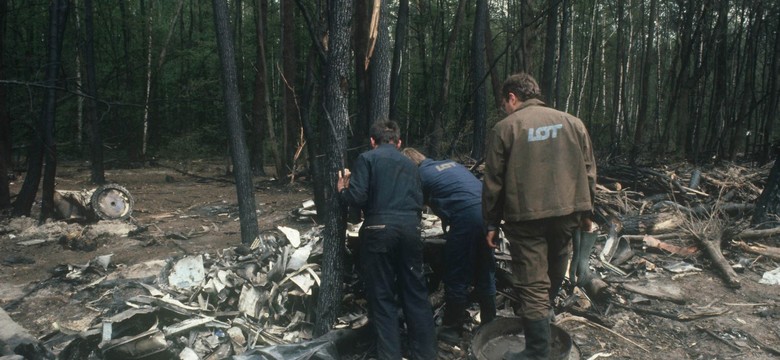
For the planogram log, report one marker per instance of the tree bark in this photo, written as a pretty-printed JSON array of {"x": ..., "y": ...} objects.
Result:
[
  {"x": 768, "y": 203},
  {"x": 398, "y": 52},
  {"x": 97, "y": 175},
  {"x": 478, "y": 80},
  {"x": 361, "y": 19},
  {"x": 292, "y": 121},
  {"x": 43, "y": 141},
  {"x": 238, "y": 150},
  {"x": 260, "y": 106},
  {"x": 547, "y": 79},
  {"x": 379, "y": 69},
  {"x": 335, "y": 97},
  {"x": 644, "y": 87},
  {"x": 5, "y": 117},
  {"x": 145, "y": 139},
  {"x": 437, "y": 126}
]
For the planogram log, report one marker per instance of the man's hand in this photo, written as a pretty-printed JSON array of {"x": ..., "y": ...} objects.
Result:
[
  {"x": 490, "y": 239},
  {"x": 343, "y": 181}
]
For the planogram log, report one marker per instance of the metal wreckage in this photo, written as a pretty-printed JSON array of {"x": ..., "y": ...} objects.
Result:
[{"x": 258, "y": 301}]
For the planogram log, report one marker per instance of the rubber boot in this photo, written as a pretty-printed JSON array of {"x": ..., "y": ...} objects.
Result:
[
  {"x": 537, "y": 341},
  {"x": 452, "y": 324},
  {"x": 487, "y": 308}
]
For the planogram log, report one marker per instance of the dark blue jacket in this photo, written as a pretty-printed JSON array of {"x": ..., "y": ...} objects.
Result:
[
  {"x": 449, "y": 187},
  {"x": 385, "y": 184}
]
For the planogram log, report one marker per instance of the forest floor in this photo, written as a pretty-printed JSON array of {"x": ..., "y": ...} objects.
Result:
[{"x": 714, "y": 322}]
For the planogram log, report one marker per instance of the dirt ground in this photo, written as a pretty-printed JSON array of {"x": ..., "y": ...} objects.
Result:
[{"x": 184, "y": 214}]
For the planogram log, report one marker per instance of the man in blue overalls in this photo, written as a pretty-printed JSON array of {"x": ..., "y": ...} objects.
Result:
[{"x": 455, "y": 195}]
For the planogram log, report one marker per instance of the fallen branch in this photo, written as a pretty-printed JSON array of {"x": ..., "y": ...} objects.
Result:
[
  {"x": 712, "y": 249},
  {"x": 714, "y": 335},
  {"x": 592, "y": 324},
  {"x": 758, "y": 234},
  {"x": 761, "y": 345},
  {"x": 678, "y": 317},
  {"x": 768, "y": 251}
]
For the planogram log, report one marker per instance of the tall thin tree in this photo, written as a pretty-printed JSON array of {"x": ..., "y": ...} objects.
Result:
[
  {"x": 5, "y": 117},
  {"x": 335, "y": 95},
  {"x": 43, "y": 138},
  {"x": 238, "y": 150},
  {"x": 478, "y": 78},
  {"x": 97, "y": 174},
  {"x": 292, "y": 118},
  {"x": 379, "y": 67}
]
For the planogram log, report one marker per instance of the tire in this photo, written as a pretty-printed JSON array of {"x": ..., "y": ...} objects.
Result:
[{"x": 112, "y": 202}]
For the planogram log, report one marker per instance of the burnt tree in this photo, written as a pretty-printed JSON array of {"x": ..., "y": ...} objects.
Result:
[
  {"x": 97, "y": 174},
  {"x": 335, "y": 96},
  {"x": 5, "y": 118},
  {"x": 238, "y": 150},
  {"x": 43, "y": 137},
  {"x": 768, "y": 203}
]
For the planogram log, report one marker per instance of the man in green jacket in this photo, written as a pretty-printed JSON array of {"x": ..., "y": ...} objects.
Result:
[{"x": 540, "y": 177}]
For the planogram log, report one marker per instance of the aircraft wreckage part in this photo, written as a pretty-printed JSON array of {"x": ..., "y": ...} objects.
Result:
[
  {"x": 497, "y": 337},
  {"x": 112, "y": 202}
]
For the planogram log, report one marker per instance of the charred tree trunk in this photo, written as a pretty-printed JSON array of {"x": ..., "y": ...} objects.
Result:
[
  {"x": 260, "y": 106},
  {"x": 548, "y": 80},
  {"x": 335, "y": 96},
  {"x": 379, "y": 69},
  {"x": 361, "y": 19},
  {"x": 5, "y": 118},
  {"x": 495, "y": 80},
  {"x": 768, "y": 203},
  {"x": 398, "y": 52},
  {"x": 437, "y": 126},
  {"x": 97, "y": 175},
  {"x": 478, "y": 80},
  {"x": 43, "y": 141},
  {"x": 644, "y": 86},
  {"x": 242, "y": 171},
  {"x": 292, "y": 123}
]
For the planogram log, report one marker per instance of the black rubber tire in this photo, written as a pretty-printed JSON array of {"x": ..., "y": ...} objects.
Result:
[{"x": 120, "y": 207}]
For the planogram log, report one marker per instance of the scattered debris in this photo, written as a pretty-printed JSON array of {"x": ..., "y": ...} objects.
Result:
[
  {"x": 771, "y": 277},
  {"x": 106, "y": 202}
]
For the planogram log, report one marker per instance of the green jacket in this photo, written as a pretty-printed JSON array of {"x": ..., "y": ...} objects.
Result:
[{"x": 539, "y": 163}]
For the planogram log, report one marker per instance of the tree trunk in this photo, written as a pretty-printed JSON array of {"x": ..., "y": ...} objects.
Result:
[
  {"x": 379, "y": 69},
  {"x": 241, "y": 169},
  {"x": 478, "y": 80},
  {"x": 145, "y": 139},
  {"x": 618, "y": 83},
  {"x": 644, "y": 87},
  {"x": 97, "y": 175},
  {"x": 128, "y": 70},
  {"x": 361, "y": 19},
  {"x": 260, "y": 106},
  {"x": 398, "y": 51},
  {"x": 335, "y": 96},
  {"x": 768, "y": 203},
  {"x": 44, "y": 137},
  {"x": 550, "y": 37},
  {"x": 495, "y": 80},
  {"x": 437, "y": 127},
  {"x": 562, "y": 55},
  {"x": 5, "y": 117},
  {"x": 292, "y": 121},
  {"x": 773, "y": 101}
]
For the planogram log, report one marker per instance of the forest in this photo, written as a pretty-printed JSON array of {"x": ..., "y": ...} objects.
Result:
[
  {"x": 122, "y": 83},
  {"x": 290, "y": 87}
]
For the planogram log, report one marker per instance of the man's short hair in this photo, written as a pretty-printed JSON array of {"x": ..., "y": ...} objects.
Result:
[
  {"x": 523, "y": 85},
  {"x": 385, "y": 132},
  {"x": 414, "y": 155}
]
